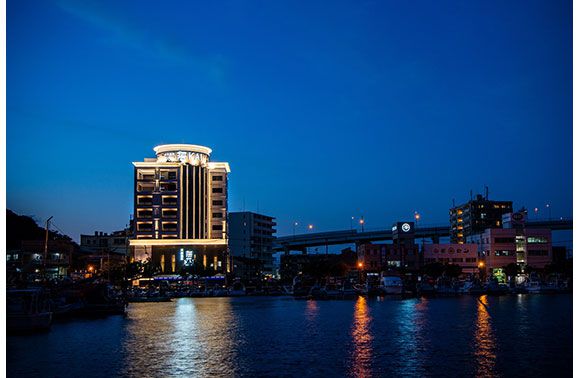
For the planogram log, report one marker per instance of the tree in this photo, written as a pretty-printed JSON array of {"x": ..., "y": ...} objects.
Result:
[
  {"x": 511, "y": 270},
  {"x": 452, "y": 270},
  {"x": 433, "y": 270},
  {"x": 150, "y": 269}
]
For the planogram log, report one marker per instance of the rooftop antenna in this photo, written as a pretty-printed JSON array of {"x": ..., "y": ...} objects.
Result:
[
  {"x": 471, "y": 195},
  {"x": 486, "y": 193}
]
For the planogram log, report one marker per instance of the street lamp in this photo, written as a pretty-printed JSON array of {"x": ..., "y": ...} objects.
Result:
[
  {"x": 295, "y": 224},
  {"x": 536, "y": 211},
  {"x": 351, "y": 219},
  {"x": 549, "y": 211},
  {"x": 310, "y": 227},
  {"x": 481, "y": 266},
  {"x": 362, "y": 223},
  {"x": 417, "y": 217}
]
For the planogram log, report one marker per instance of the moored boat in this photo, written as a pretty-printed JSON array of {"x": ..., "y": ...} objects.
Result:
[
  {"x": 27, "y": 311},
  {"x": 391, "y": 285}
]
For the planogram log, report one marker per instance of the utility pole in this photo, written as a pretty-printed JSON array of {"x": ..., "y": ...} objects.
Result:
[{"x": 45, "y": 247}]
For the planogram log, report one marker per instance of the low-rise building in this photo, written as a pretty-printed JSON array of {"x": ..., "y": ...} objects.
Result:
[
  {"x": 30, "y": 258},
  {"x": 464, "y": 255},
  {"x": 379, "y": 257},
  {"x": 102, "y": 250},
  {"x": 101, "y": 242},
  {"x": 500, "y": 247}
]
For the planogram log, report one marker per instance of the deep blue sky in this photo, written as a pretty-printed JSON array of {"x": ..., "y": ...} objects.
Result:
[{"x": 325, "y": 110}]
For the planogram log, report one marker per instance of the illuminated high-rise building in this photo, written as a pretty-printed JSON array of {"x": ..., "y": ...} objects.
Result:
[{"x": 180, "y": 203}]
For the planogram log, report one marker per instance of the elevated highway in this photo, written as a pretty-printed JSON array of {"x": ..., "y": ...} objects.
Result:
[{"x": 303, "y": 241}]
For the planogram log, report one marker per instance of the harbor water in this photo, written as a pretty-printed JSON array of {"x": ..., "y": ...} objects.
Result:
[{"x": 516, "y": 335}]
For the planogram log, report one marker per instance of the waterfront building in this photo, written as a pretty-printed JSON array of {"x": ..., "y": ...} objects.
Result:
[
  {"x": 404, "y": 245},
  {"x": 464, "y": 255},
  {"x": 379, "y": 257},
  {"x": 116, "y": 242},
  {"x": 247, "y": 268},
  {"x": 498, "y": 247},
  {"x": 36, "y": 256},
  {"x": 102, "y": 249},
  {"x": 403, "y": 252},
  {"x": 476, "y": 216},
  {"x": 180, "y": 202},
  {"x": 251, "y": 235},
  {"x": 373, "y": 257}
]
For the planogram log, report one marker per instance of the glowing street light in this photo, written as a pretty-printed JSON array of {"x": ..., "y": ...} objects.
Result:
[
  {"x": 549, "y": 211},
  {"x": 362, "y": 223},
  {"x": 310, "y": 227},
  {"x": 360, "y": 265},
  {"x": 295, "y": 224},
  {"x": 351, "y": 219}
]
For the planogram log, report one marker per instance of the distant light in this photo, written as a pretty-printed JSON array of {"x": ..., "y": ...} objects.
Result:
[
  {"x": 360, "y": 265},
  {"x": 362, "y": 221},
  {"x": 310, "y": 227},
  {"x": 481, "y": 264}
]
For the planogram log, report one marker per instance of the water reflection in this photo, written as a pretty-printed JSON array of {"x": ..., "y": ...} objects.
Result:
[
  {"x": 362, "y": 340},
  {"x": 311, "y": 310},
  {"x": 412, "y": 345},
  {"x": 189, "y": 337},
  {"x": 485, "y": 355}
]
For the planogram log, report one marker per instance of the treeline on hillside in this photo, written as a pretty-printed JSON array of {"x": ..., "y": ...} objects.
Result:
[{"x": 22, "y": 227}]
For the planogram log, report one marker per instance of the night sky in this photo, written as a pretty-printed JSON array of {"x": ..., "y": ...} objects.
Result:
[{"x": 324, "y": 110}]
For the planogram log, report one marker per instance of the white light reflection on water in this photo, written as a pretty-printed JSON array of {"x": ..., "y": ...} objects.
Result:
[
  {"x": 189, "y": 337},
  {"x": 412, "y": 343}
]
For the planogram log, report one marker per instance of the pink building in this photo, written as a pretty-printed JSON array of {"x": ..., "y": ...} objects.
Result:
[
  {"x": 502, "y": 246},
  {"x": 464, "y": 255}
]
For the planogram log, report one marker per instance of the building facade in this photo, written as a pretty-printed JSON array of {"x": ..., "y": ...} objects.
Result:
[
  {"x": 252, "y": 235},
  {"x": 500, "y": 247},
  {"x": 476, "y": 216},
  {"x": 403, "y": 252},
  {"x": 180, "y": 202},
  {"x": 35, "y": 256},
  {"x": 103, "y": 250},
  {"x": 116, "y": 242},
  {"x": 464, "y": 255}
]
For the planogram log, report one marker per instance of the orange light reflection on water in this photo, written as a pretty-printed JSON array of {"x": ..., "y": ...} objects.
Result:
[
  {"x": 362, "y": 339},
  {"x": 311, "y": 309},
  {"x": 485, "y": 355}
]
